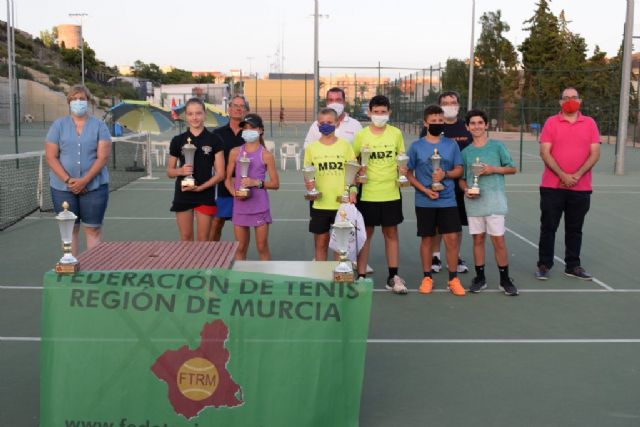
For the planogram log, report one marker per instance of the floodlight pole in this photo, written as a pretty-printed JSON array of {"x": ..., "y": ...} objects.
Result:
[
  {"x": 623, "y": 113},
  {"x": 81, "y": 15},
  {"x": 10, "y": 61},
  {"x": 316, "y": 68},
  {"x": 471, "y": 53}
]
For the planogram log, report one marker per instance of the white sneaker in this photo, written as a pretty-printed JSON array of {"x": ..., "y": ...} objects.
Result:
[
  {"x": 436, "y": 265},
  {"x": 396, "y": 285},
  {"x": 462, "y": 266}
]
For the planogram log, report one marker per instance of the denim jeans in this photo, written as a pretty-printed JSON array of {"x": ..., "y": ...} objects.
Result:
[{"x": 574, "y": 205}]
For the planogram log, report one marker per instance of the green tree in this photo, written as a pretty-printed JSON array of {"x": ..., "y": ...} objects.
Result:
[
  {"x": 49, "y": 38},
  {"x": 456, "y": 77},
  {"x": 496, "y": 76},
  {"x": 540, "y": 53},
  {"x": 573, "y": 58},
  {"x": 147, "y": 71}
]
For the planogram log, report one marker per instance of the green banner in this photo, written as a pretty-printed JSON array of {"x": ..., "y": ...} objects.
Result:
[{"x": 201, "y": 348}]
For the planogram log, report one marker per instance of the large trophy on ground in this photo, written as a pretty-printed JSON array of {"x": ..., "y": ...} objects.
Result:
[
  {"x": 68, "y": 264},
  {"x": 189, "y": 152},
  {"x": 402, "y": 160},
  {"x": 244, "y": 162},
  {"x": 365, "y": 153},
  {"x": 309, "y": 173},
  {"x": 343, "y": 229},
  {"x": 476, "y": 169},
  {"x": 435, "y": 164},
  {"x": 351, "y": 169}
]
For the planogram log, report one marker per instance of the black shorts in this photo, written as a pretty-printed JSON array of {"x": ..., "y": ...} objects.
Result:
[
  {"x": 385, "y": 214},
  {"x": 440, "y": 220},
  {"x": 462, "y": 211},
  {"x": 321, "y": 220}
]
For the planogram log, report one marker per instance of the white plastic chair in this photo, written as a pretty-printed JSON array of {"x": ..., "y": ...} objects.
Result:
[
  {"x": 270, "y": 146},
  {"x": 154, "y": 152},
  {"x": 289, "y": 150}
]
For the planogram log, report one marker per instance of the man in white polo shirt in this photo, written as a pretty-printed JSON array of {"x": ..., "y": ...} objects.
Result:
[{"x": 347, "y": 126}]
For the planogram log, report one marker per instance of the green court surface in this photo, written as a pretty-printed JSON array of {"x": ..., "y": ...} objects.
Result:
[{"x": 563, "y": 353}]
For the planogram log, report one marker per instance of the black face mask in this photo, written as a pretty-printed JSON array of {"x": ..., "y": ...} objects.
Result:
[{"x": 436, "y": 129}]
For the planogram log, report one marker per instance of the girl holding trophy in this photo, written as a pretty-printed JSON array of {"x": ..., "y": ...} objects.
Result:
[
  {"x": 329, "y": 156},
  {"x": 246, "y": 172},
  {"x": 201, "y": 160}
]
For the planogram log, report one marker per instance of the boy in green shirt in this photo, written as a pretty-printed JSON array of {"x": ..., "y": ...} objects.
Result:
[{"x": 486, "y": 211}]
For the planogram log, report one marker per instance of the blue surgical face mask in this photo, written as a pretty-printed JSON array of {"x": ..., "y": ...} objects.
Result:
[
  {"x": 79, "y": 107},
  {"x": 326, "y": 128},
  {"x": 250, "y": 135}
]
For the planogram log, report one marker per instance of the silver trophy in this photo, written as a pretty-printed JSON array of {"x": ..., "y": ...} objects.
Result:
[
  {"x": 435, "y": 165},
  {"x": 244, "y": 162},
  {"x": 402, "y": 160},
  {"x": 309, "y": 173},
  {"x": 68, "y": 264},
  {"x": 476, "y": 169},
  {"x": 351, "y": 169},
  {"x": 365, "y": 153},
  {"x": 189, "y": 152},
  {"x": 343, "y": 230}
]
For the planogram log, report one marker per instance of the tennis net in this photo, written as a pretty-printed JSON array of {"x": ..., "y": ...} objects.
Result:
[{"x": 24, "y": 177}]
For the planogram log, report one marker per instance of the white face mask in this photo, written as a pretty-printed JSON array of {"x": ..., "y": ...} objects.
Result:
[
  {"x": 380, "y": 120},
  {"x": 450, "y": 111},
  {"x": 336, "y": 106},
  {"x": 250, "y": 135}
]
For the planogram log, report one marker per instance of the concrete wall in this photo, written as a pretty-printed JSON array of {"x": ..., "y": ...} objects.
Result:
[{"x": 36, "y": 99}]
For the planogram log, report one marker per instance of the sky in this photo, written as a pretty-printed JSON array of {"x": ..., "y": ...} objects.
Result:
[{"x": 268, "y": 35}]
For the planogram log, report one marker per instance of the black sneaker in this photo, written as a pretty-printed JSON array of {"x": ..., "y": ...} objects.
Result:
[
  {"x": 542, "y": 273},
  {"x": 509, "y": 288},
  {"x": 477, "y": 284},
  {"x": 579, "y": 273},
  {"x": 436, "y": 265}
]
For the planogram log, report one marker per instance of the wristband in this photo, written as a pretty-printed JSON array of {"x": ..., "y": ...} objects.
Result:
[
  {"x": 353, "y": 189},
  {"x": 67, "y": 180},
  {"x": 260, "y": 184}
]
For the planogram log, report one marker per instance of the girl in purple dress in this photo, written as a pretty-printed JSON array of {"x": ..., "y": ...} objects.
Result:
[{"x": 252, "y": 209}]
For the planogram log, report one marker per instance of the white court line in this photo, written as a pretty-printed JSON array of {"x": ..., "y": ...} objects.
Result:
[
  {"x": 443, "y": 341},
  {"x": 560, "y": 260},
  {"x": 380, "y": 290}
]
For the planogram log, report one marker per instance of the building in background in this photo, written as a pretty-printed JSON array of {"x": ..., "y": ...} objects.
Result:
[{"x": 70, "y": 35}]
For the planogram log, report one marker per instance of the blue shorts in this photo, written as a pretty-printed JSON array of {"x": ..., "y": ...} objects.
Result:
[
  {"x": 89, "y": 207},
  {"x": 225, "y": 207}
]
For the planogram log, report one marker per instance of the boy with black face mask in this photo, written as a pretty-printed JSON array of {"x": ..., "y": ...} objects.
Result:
[{"x": 436, "y": 208}]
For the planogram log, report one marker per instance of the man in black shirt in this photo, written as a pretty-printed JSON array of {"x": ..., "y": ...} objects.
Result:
[
  {"x": 455, "y": 129},
  {"x": 230, "y": 135}
]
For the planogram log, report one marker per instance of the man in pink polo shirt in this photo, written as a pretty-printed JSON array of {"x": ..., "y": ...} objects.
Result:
[{"x": 569, "y": 147}]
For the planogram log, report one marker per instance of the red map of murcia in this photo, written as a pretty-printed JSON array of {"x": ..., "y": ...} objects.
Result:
[{"x": 199, "y": 378}]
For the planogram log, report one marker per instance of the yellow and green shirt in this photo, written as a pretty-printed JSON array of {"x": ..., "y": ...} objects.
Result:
[
  {"x": 382, "y": 169},
  {"x": 329, "y": 161}
]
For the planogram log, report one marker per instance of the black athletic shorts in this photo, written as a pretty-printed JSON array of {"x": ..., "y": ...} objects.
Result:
[
  {"x": 385, "y": 214},
  {"x": 321, "y": 220},
  {"x": 462, "y": 211},
  {"x": 440, "y": 220}
]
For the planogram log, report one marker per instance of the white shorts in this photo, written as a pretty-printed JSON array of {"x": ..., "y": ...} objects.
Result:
[{"x": 493, "y": 225}]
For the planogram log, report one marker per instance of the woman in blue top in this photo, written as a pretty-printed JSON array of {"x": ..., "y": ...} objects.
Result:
[{"x": 77, "y": 149}]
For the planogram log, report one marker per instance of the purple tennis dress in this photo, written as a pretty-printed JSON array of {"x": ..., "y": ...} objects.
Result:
[{"x": 253, "y": 211}]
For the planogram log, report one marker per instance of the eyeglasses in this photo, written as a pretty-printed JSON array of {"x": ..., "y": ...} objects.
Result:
[
  {"x": 242, "y": 106},
  {"x": 566, "y": 98}
]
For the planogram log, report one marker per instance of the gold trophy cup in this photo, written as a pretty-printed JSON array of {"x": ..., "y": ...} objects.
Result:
[
  {"x": 189, "y": 152},
  {"x": 351, "y": 169},
  {"x": 343, "y": 273},
  {"x": 68, "y": 264},
  {"x": 435, "y": 164},
  {"x": 244, "y": 162},
  {"x": 476, "y": 169},
  {"x": 365, "y": 153},
  {"x": 309, "y": 173},
  {"x": 402, "y": 160}
]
